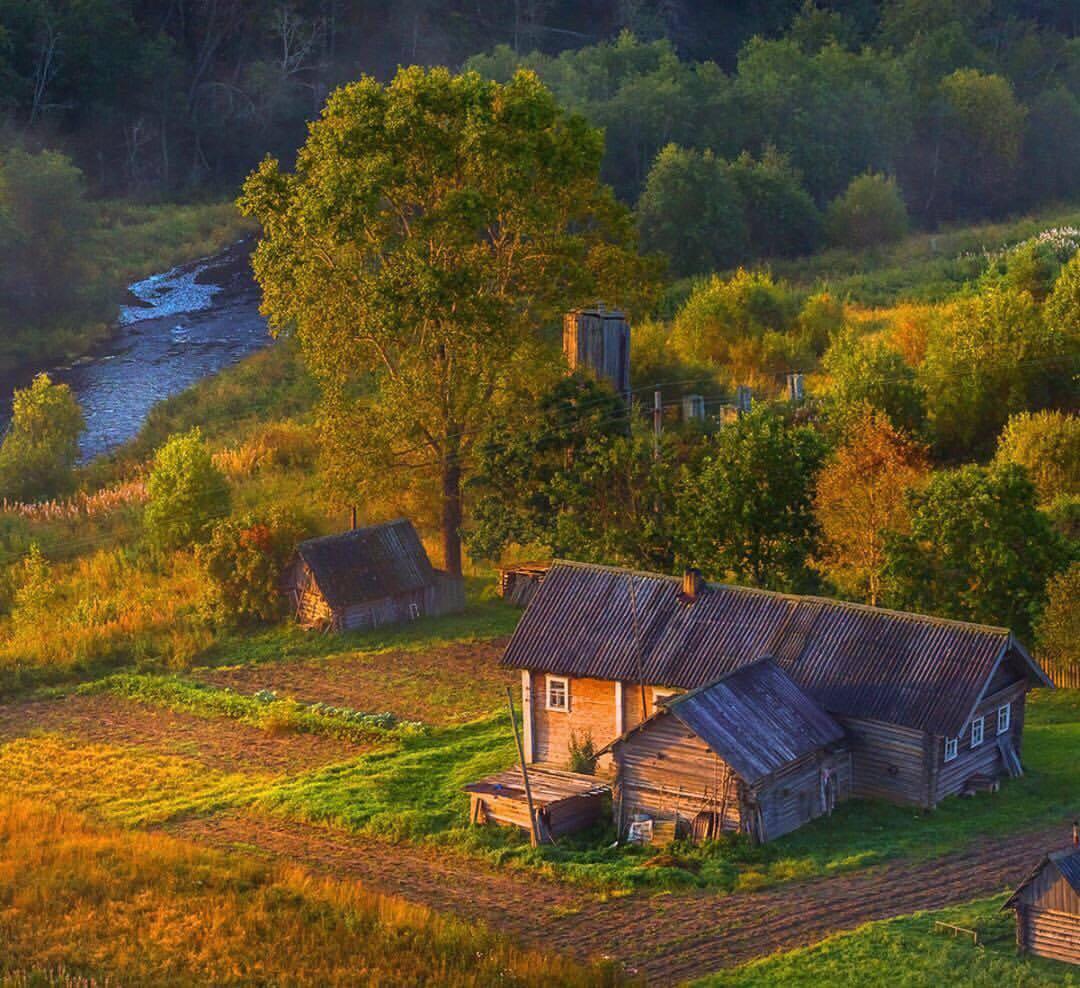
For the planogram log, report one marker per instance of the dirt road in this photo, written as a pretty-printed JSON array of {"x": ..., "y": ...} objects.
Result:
[{"x": 668, "y": 938}]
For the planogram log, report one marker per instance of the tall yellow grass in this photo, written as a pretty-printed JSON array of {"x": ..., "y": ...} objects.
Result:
[{"x": 149, "y": 909}]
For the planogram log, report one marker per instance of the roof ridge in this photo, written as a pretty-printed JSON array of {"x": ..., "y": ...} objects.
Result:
[
  {"x": 356, "y": 531},
  {"x": 797, "y": 598}
]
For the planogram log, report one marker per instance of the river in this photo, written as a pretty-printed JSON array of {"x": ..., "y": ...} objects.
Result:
[{"x": 176, "y": 328}]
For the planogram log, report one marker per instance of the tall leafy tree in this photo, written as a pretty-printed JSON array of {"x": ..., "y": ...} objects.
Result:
[
  {"x": 42, "y": 442},
  {"x": 978, "y": 550},
  {"x": 579, "y": 478},
  {"x": 430, "y": 227},
  {"x": 860, "y": 497},
  {"x": 745, "y": 508}
]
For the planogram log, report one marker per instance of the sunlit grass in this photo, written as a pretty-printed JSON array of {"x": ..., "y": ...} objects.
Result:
[
  {"x": 148, "y": 909},
  {"x": 907, "y": 952}
]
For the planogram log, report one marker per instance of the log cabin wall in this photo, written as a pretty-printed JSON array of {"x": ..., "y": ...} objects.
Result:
[
  {"x": 387, "y": 610},
  {"x": 1048, "y": 918},
  {"x": 667, "y": 772},
  {"x": 888, "y": 761},
  {"x": 949, "y": 778},
  {"x": 591, "y": 711},
  {"x": 793, "y": 796}
]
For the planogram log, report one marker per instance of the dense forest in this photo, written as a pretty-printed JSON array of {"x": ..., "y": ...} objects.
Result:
[{"x": 972, "y": 105}]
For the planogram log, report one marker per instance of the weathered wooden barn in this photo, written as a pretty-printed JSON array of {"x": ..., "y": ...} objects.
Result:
[
  {"x": 1047, "y": 907},
  {"x": 929, "y": 707},
  {"x": 368, "y": 577},
  {"x": 750, "y": 753}
]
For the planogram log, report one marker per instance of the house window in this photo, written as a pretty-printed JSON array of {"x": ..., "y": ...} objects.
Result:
[
  {"x": 658, "y": 698},
  {"x": 558, "y": 693},
  {"x": 952, "y": 747},
  {"x": 1004, "y": 717},
  {"x": 977, "y": 726}
]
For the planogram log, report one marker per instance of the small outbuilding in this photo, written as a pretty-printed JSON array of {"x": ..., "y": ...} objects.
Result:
[
  {"x": 368, "y": 577},
  {"x": 750, "y": 753},
  {"x": 1047, "y": 907},
  {"x": 518, "y": 583}
]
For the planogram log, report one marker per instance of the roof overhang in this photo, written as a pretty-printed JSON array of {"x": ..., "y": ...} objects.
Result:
[{"x": 1035, "y": 672}]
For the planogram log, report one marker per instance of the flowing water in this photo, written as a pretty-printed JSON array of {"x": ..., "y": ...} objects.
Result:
[{"x": 177, "y": 328}]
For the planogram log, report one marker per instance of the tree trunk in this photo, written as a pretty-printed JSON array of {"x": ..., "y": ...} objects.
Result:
[{"x": 451, "y": 514}]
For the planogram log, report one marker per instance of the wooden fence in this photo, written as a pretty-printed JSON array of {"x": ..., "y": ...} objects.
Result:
[{"x": 1068, "y": 679}]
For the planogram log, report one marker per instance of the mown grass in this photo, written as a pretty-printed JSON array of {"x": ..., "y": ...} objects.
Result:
[
  {"x": 149, "y": 909},
  {"x": 906, "y": 952}
]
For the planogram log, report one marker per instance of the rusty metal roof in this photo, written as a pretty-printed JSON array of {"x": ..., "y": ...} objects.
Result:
[
  {"x": 368, "y": 563},
  {"x": 921, "y": 672},
  {"x": 756, "y": 719}
]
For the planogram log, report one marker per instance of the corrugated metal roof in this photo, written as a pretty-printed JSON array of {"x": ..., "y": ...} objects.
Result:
[
  {"x": 368, "y": 563},
  {"x": 1068, "y": 863},
  {"x": 921, "y": 672},
  {"x": 756, "y": 719}
]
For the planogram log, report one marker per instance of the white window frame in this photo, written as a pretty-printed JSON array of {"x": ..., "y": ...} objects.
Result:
[
  {"x": 659, "y": 695},
  {"x": 952, "y": 749},
  {"x": 980, "y": 723},
  {"x": 1004, "y": 718},
  {"x": 565, "y": 708}
]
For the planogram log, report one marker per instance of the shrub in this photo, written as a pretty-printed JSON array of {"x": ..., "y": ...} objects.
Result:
[
  {"x": 38, "y": 454},
  {"x": 870, "y": 212},
  {"x": 243, "y": 561},
  {"x": 582, "y": 752},
  {"x": 187, "y": 493}
]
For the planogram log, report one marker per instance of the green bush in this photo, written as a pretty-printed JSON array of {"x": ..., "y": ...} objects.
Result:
[
  {"x": 243, "y": 561},
  {"x": 1047, "y": 445},
  {"x": 38, "y": 454},
  {"x": 187, "y": 493},
  {"x": 870, "y": 212}
]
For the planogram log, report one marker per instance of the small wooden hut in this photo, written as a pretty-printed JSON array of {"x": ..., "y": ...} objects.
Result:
[
  {"x": 368, "y": 577},
  {"x": 1047, "y": 907},
  {"x": 518, "y": 583},
  {"x": 750, "y": 752},
  {"x": 564, "y": 802}
]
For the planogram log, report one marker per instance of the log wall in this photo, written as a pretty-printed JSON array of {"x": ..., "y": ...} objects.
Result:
[
  {"x": 592, "y": 712},
  {"x": 1049, "y": 933},
  {"x": 888, "y": 761},
  {"x": 794, "y": 795}
]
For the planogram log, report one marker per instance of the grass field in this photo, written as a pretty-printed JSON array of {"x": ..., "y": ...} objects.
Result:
[
  {"x": 907, "y": 953},
  {"x": 83, "y": 901}
]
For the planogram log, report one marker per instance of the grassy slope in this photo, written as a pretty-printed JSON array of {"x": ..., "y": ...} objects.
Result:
[
  {"x": 148, "y": 909},
  {"x": 906, "y": 952}
]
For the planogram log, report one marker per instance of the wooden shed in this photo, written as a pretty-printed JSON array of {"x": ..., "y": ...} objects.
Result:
[
  {"x": 564, "y": 802},
  {"x": 598, "y": 339},
  {"x": 1047, "y": 907},
  {"x": 368, "y": 577},
  {"x": 750, "y": 752},
  {"x": 518, "y": 583}
]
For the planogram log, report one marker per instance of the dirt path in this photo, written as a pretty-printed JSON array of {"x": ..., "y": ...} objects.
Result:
[
  {"x": 217, "y": 743},
  {"x": 668, "y": 938}
]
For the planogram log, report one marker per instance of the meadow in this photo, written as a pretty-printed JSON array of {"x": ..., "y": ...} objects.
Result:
[
  {"x": 908, "y": 953},
  {"x": 81, "y": 900}
]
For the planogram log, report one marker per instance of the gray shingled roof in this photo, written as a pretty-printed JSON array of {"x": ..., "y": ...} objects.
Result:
[
  {"x": 368, "y": 563},
  {"x": 755, "y": 718},
  {"x": 1067, "y": 864},
  {"x": 920, "y": 672}
]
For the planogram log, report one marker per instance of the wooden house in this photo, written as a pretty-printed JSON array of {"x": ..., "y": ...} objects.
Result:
[
  {"x": 1047, "y": 907},
  {"x": 751, "y": 752},
  {"x": 929, "y": 707},
  {"x": 368, "y": 577}
]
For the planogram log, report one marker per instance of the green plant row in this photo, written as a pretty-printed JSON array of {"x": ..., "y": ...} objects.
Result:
[{"x": 264, "y": 710}]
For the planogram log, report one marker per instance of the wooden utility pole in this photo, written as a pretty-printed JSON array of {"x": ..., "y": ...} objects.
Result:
[
  {"x": 533, "y": 837},
  {"x": 657, "y": 422},
  {"x": 637, "y": 646}
]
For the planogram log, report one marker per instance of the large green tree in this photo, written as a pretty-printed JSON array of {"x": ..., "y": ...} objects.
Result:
[
  {"x": 579, "y": 478},
  {"x": 430, "y": 228},
  {"x": 745, "y": 508},
  {"x": 978, "y": 549}
]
